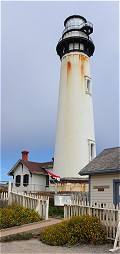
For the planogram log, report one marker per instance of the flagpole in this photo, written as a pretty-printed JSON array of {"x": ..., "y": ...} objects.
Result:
[
  {"x": 53, "y": 176},
  {"x": 55, "y": 188}
]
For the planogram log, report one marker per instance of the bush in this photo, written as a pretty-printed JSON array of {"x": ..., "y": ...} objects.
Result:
[
  {"x": 17, "y": 237},
  {"x": 55, "y": 211},
  {"x": 17, "y": 215},
  {"x": 3, "y": 203},
  {"x": 78, "y": 229}
]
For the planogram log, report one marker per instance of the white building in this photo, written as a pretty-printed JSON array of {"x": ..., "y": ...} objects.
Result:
[
  {"x": 104, "y": 177},
  {"x": 75, "y": 137},
  {"x": 30, "y": 176}
]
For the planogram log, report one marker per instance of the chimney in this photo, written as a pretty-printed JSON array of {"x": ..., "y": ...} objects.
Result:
[{"x": 25, "y": 155}]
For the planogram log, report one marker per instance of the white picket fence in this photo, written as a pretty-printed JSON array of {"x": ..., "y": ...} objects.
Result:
[
  {"x": 39, "y": 204},
  {"x": 4, "y": 195},
  {"x": 79, "y": 198},
  {"x": 108, "y": 214},
  {"x": 33, "y": 201}
]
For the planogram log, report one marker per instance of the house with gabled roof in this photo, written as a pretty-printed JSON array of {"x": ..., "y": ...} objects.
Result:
[
  {"x": 30, "y": 176},
  {"x": 104, "y": 177}
]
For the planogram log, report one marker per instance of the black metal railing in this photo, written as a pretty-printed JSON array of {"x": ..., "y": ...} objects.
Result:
[{"x": 79, "y": 27}]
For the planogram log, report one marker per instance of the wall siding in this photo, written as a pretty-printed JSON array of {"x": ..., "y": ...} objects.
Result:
[
  {"x": 38, "y": 182},
  {"x": 105, "y": 196}
]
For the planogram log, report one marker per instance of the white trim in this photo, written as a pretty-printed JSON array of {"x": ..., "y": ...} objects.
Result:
[
  {"x": 91, "y": 153},
  {"x": 88, "y": 87}
]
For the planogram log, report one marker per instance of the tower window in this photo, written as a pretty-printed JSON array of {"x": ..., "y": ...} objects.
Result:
[
  {"x": 18, "y": 180},
  {"x": 81, "y": 46},
  {"x": 76, "y": 45},
  {"x": 70, "y": 46},
  {"x": 92, "y": 152},
  {"x": 25, "y": 180},
  {"x": 88, "y": 86}
]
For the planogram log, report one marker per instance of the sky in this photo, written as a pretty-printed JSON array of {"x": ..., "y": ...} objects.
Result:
[{"x": 30, "y": 72}]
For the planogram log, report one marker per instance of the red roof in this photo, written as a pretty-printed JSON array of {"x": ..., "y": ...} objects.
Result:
[
  {"x": 36, "y": 166},
  {"x": 33, "y": 166}
]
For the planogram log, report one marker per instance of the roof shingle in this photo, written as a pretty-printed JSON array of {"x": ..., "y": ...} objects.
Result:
[
  {"x": 35, "y": 167},
  {"x": 107, "y": 161}
]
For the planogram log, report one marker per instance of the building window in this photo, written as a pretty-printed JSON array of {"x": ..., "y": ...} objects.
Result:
[
  {"x": 47, "y": 181},
  {"x": 25, "y": 180},
  {"x": 88, "y": 86},
  {"x": 92, "y": 152},
  {"x": 18, "y": 180}
]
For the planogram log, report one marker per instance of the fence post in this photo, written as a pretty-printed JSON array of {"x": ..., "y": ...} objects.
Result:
[
  {"x": 9, "y": 187},
  {"x": 9, "y": 193},
  {"x": 38, "y": 208},
  {"x": 23, "y": 201},
  {"x": 47, "y": 209},
  {"x": 65, "y": 211},
  {"x": 117, "y": 238}
]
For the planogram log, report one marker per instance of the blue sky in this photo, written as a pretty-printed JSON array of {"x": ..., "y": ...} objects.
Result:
[{"x": 30, "y": 71}]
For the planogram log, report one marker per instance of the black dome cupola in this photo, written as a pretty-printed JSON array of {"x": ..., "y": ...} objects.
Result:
[{"x": 75, "y": 37}]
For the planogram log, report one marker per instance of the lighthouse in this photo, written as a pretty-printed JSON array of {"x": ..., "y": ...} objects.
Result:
[{"x": 75, "y": 137}]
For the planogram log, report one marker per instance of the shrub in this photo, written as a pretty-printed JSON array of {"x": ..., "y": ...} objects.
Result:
[
  {"x": 55, "y": 235},
  {"x": 17, "y": 215},
  {"x": 55, "y": 211},
  {"x": 17, "y": 237},
  {"x": 3, "y": 203},
  {"x": 78, "y": 229}
]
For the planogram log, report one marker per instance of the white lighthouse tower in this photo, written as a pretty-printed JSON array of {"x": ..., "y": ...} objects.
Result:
[{"x": 75, "y": 137}]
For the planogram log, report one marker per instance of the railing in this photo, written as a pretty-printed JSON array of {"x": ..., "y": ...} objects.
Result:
[
  {"x": 89, "y": 38},
  {"x": 4, "y": 195},
  {"x": 84, "y": 24},
  {"x": 35, "y": 202},
  {"x": 80, "y": 198},
  {"x": 107, "y": 214}
]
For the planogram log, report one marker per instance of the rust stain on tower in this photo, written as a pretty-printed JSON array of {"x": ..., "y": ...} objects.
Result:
[
  {"x": 69, "y": 67},
  {"x": 83, "y": 59}
]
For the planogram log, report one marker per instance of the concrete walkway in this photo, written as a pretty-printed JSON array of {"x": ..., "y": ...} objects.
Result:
[
  {"x": 35, "y": 228},
  {"x": 34, "y": 246}
]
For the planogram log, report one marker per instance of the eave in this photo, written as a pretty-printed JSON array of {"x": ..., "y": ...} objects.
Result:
[
  {"x": 108, "y": 171},
  {"x": 13, "y": 168}
]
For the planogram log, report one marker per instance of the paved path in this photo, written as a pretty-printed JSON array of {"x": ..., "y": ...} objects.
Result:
[
  {"x": 35, "y": 246},
  {"x": 32, "y": 227}
]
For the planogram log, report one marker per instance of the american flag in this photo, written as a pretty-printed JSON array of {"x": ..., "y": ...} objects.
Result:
[{"x": 53, "y": 176}]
